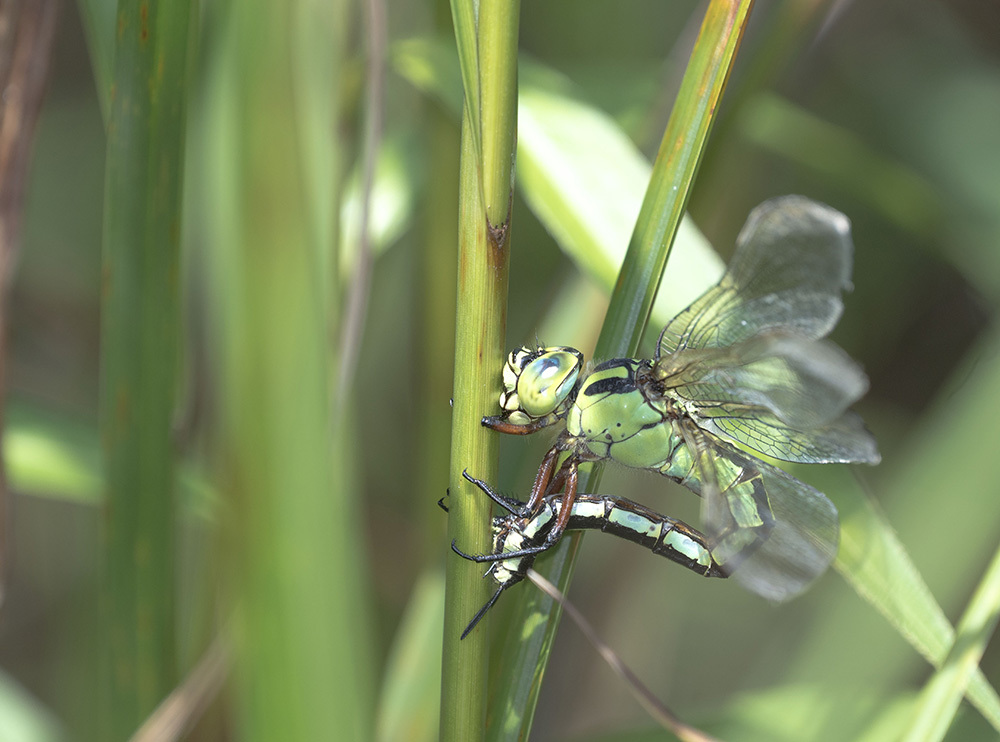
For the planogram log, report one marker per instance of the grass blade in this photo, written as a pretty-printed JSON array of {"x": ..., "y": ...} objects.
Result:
[
  {"x": 940, "y": 698},
  {"x": 535, "y": 619},
  {"x": 303, "y": 662},
  {"x": 139, "y": 352}
]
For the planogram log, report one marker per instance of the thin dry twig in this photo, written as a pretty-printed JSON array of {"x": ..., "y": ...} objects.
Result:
[
  {"x": 653, "y": 706},
  {"x": 360, "y": 285},
  {"x": 188, "y": 701}
]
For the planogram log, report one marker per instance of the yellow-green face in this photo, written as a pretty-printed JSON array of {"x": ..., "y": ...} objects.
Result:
[{"x": 539, "y": 382}]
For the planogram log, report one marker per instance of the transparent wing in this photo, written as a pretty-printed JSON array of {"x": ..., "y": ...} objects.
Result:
[
  {"x": 781, "y": 394},
  {"x": 792, "y": 261},
  {"x": 769, "y": 531}
]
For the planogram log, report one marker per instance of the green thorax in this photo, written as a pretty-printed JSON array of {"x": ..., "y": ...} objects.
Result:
[
  {"x": 622, "y": 413},
  {"x": 617, "y": 415}
]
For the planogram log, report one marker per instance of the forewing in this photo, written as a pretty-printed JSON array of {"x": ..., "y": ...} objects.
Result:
[
  {"x": 844, "y": 441},
  {"x": 793, "y": 258},
  {"x": 781, "y": 394},
  {"x": 774, "y": 542}
]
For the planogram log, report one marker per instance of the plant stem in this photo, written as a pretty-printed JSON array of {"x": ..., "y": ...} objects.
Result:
[
  {"x": 484, "y": 230},
  {"x": 140, "y": 322}
]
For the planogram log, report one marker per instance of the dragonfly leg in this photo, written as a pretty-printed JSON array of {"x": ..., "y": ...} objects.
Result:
[
  {"x": 509, "y": 504},
  {"x": 500, "y": 424},
  {"x": 543, "y": 480},
  {"x": 570, "y": 473},
  {"x": 501, "y": 556}
]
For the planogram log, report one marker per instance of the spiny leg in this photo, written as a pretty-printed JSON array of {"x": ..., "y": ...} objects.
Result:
[
  {"x": 515, "y": 507},
  {"x": 517, "y": 514},
  {"x": 545, "y": 486},
  {"x": 543, "y": 479}
]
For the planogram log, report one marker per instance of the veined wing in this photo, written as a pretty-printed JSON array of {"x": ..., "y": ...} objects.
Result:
[
  {"x": 793, "y": 258},
  {"x": 779, "y": 393},
  {"x": 769, "y": 531}
]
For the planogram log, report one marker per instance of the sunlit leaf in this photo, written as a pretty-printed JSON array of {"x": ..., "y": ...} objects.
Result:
[{"x": 411, "y": 688}]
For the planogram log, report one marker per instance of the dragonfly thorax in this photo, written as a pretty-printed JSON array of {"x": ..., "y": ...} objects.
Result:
[{"x": 539, "y": 382}]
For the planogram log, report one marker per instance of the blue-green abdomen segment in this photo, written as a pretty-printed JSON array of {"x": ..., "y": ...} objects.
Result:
[
  {"x": 626, "y": 519},
  {"x": 665, "y": 536}
]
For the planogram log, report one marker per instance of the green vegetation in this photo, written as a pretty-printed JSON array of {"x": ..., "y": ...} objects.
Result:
[{"x": 228, "y": 422}]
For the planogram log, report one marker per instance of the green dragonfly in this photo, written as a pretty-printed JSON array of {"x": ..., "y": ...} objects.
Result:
[{"x": 743, "y": 369}]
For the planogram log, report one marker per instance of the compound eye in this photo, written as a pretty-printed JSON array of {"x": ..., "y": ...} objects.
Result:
[{"x": 545, "y": 382}]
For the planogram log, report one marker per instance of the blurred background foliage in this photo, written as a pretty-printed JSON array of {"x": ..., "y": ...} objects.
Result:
[{"x": 887, "y": 111}]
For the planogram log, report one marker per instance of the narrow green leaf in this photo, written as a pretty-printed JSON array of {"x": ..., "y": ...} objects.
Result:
[
  {"x": 940, "y": 698},
  {"x": 526, "y": 650},
  {"x": 876, "y": 565},
  {"x": 411, "y": 690},
  {"x": 303, "y": 654},
  {"x": 872, "y": 558},
  {"x": 140, "y": 326},
  {"x": 99, "y": 26}
]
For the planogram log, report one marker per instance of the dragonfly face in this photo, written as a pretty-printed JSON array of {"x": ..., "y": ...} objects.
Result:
[
  {"x": 539, "y": 383},
  {"x": 744, "y": 367}
]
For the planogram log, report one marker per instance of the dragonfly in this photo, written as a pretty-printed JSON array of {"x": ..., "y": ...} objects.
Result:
[{"x": 745, "y": 370}]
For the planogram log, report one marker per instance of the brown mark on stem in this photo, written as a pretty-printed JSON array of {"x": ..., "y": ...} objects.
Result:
[{"x": 497, "y": 234}]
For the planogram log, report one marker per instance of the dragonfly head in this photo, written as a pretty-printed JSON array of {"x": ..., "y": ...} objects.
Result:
[{"x": 539, "y": 382}]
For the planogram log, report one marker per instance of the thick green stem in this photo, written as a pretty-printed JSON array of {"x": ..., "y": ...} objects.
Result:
[
  {"x": 139, "y": 354},
  {"x": 484, "y": 230}
]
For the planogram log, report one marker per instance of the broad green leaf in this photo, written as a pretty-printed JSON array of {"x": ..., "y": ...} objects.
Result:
[
  {"x": 584, "y": 179},
  {"x": 579, "y": 173}
]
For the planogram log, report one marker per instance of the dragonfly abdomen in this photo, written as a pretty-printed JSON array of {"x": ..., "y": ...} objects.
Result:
[{"x": 660, "y": 534}]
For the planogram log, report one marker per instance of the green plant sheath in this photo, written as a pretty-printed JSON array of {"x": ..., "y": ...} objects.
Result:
[{"x": 139, "y": 352}]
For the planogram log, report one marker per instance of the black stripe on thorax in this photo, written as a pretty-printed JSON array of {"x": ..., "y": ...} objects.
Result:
[{"x": 613, "y": 384}]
